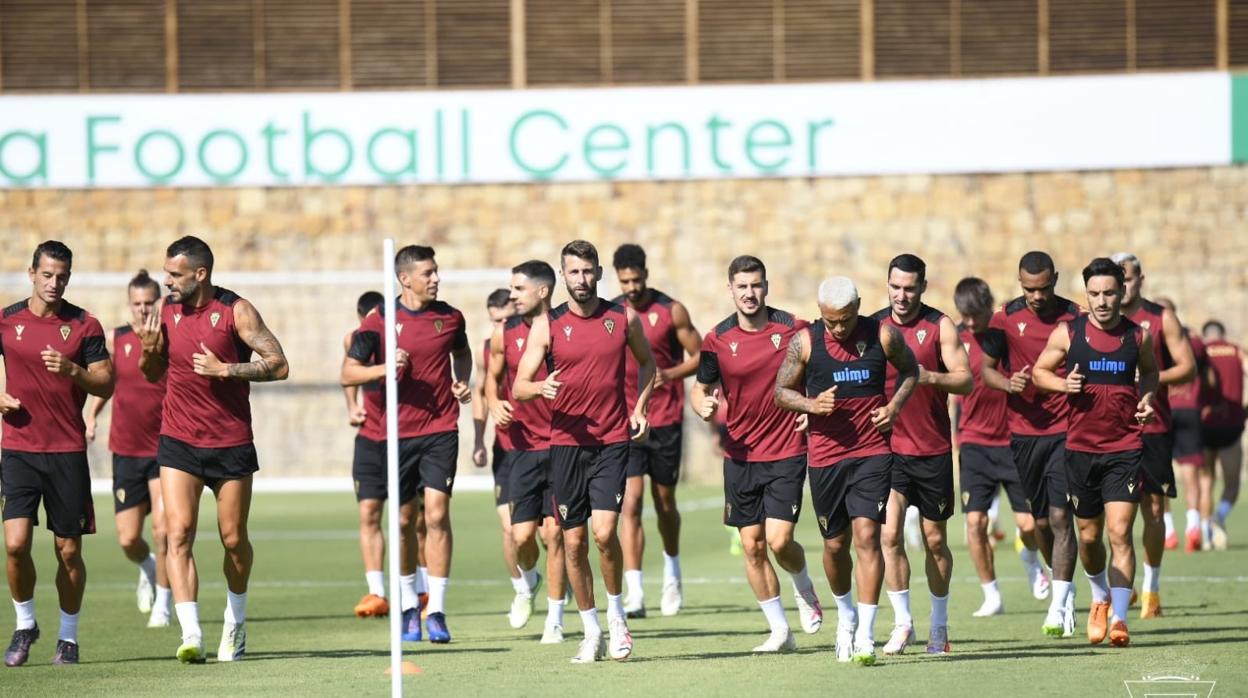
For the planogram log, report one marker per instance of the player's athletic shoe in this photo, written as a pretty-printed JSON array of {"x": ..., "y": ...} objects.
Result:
[
  {"x": 233, "y": 642},
  {"x": 1172, "y": 540},
  {"x": 864, "y": 654},
  {"x": 19, "y": 648},
  {"x": 777, "y": 642},
  {"x": 192, "y": 651},
  {"x": 990, "y": 608},
  {"x": 411, "y": 625},
  {"x": 1192, "y": 543},
  {"x": 1039, "y": 580},
  {"x": 158, "y": 619},
  {"x": 593, "y": 648},
  {"x": 938, "y": 640},
  {"x": 552, "y": 634},
  {"x": 901, "y": 636},
  {"x": 372, "y": 606},
  {"x": 844, "y": 644},
  {"x": 1070, "y": 622},
  {"x": 522, "y": 606},
  {"x": 1118, "y": 635},
  {"x": 673, "y": 597},
  {"x": 1098, "y": 622},
  {"x": 621, "y": 646},
  {"x": 1054, "y": 623},
  {"x": 145, "y": 593},
  {"x": 435, "y": 628},
  {"x": 809, "y": 610},
  {"x": 634, "y": 608},
  {"x": 1218, "y": 536},
  {"x": 1150, "y": 604},
  {"x": 66, "y": 652}
]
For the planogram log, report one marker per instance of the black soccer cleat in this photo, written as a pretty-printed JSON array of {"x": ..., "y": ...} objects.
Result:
[
  {"x": 19, "y": 648},
  {"x": 66, "y": 652}
]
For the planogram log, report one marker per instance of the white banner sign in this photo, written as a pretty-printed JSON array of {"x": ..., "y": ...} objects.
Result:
[{"x": 363, "y": 138}]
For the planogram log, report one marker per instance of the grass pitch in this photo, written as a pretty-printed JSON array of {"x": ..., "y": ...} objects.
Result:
[{"x": 304, "y": 640}]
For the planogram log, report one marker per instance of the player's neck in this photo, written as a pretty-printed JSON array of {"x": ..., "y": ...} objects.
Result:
[
  {"x": 755, "y": 322},
  {"x": 643, "y": 300},
  {"x": 543, "y": 309},
  {"x": 584, "y": 309},
  {"x": 1106, "y": 326},
  {"x": 411, "y": 301},
  {"x": 39, "y": 308},
  {"x": 1129, "y": 310},
  {"x": 909, "y": 318},
  {"x": 203, "y": 296}
]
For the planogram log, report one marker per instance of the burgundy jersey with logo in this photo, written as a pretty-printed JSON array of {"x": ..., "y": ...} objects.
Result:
[
  {"x": 199, "y": 411},
  {"x": 1033, "y": 412},
  {"x": 502, "y": 437},
  {"x": 50, "y": 418},
  {"x": 744, "y": 364},
  {"x": 1149, "y": 317},
  {"x": 857, "y": 367},
  {"x": 137, "y": 403},
  {"x": 589, "y": 353},
  {"x": 982, "y": 414},
  {"x": 922, "y": 428},
  {"x": 428, "y": 335},
  {"x": 1102, "y": 416},
  {"x": 666, "y": 405},
  {"x": 1226, "y": 403},
  {"x": 530, "y": 421},
  {"x": 1186, "y": 396}
]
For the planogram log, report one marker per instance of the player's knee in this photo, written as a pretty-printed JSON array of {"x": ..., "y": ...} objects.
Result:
[
  {"x": 891, "y": 539},
  {"x": 128, "y": 541},
  {"x": 17, "y": 548},
  {"x": 234, "y": 541},
  {"x": 604, "y": 536},
  {"x": 977, "y": 522},
  {"x": 754, "y": 550},
  {"x": 68, "y": 552},
  {"x": 837, "y": 546},
  {"x": 779, "y": 541}
]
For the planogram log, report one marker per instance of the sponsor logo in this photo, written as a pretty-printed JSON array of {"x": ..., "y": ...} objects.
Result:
[
  {"x": 775, "y": 340},
  {"x": 398, "y": 329},
  {"x": 357, "y": 487},
  {"x": 920, "y": 335},
  {"x": 851, "y": 375},
  {"x": 1, "y": 501},
  {"x": 727, "y": 510},
  {"x": 511, "y": 508},
  {"x": 733, "y": 346},
  {"x": 1103, "y": 365},
  {"x": 1028, "y": 501},
  {"x": 966, "y": 346},
  {"x": 128, "y": 349},
  {"x": 619, "y": 497},
  {"x": 520, "y": 342},
  {"x": 438, "y": 325},
  {"x": 20, "y": 329},
  {"x": 862, "y": 348},
  {"x": 1131, "y": 487},
  {"x": 653, "y": 317},
  {"x": 1022, "y": 327},
  {"x": 610, "y": 325},
  {"x": 214, "y": 319},
  {"x": 177, "y": 318},
  {"x": 498, "y": 491},
  {"x": 121, "y": 495},
  {"x": 567, "y": 332},
  {"x": 65, "y": 333}
]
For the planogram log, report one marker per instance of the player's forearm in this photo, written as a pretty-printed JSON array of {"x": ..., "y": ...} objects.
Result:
[
  {"x": 1177, "y": 375},
  {"x": 358, "y": 374},
  {"x": 994, "y": 379},
  {"x": 461, "y": 365},
  {"x": 262, "y": 370},
  {"x": 793, "y": 401},
  {"x": 645, "y": 377},
  {"x": 1047, "y": 380},
  {"x": 351, "y": 393},
  {"x": 906, "y": 383},
  {"x": 953, "y": 382},
  {"x": 98, "y": 383},
  {"x": 525, "y": 390},
  {"x": 683, "y": 370},
  {"x": 1150, "y": 381},
  {"x": 152, "y": 365}
]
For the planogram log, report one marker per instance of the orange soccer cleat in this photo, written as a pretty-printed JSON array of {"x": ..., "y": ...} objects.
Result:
[
  {"x": 1098, "y": 621},
  {"x": 1172, "y": 541},
  {"x": 372, "y": 606},
  {"x": 1193, "y": 541},
  {"x": 1118, "y": 635},
  {"x": 1150, "y": 604}
]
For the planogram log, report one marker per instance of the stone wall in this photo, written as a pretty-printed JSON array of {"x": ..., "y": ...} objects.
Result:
[{"x": 1186, "y": 225}]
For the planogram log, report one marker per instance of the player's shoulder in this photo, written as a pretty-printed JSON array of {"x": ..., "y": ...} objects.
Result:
[
  {"x": 882, "y": 314},
  {"x": 226, "y": 297},
  {"x": 559, "y": 310},
  {"x": 74, "y": 313},
  {"x": 1152, "y": 308},
  {"x": 513, "y": 322},
  {"x": 15, "y": 308},
  {"x": 780, "y": 317},
  {"x": 1068, "y": 307},
  {"x": 121, "y": 331},
  {"x": 662, "y": 298},
  {"x": 726, "y": 325},
  {"x": 609, "y": 307},
  {"x": 443, "y": 308},
  {"x": 932, "y": 315},
  {"x": 1015, "y": 305}
]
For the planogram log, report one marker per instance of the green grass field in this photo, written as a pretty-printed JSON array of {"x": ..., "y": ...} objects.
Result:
[{"x": 303, "y": 638}]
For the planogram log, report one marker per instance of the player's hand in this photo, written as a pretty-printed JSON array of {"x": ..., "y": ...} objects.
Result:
[
  {"x": 709, "y": 406},
  {"x": 90, "y": 432},
  {"x": 56, "y": 362},
  {"x": 1144, "y": 412},
  {"x": 501, "y": 411},
  {"x": 550, "y": 386},
  {"x": 882, "y": 419},
  {"x": 1020, "y": 379},
  {"x": 462, "y": 392},
  {"x": 925, "y": 376},
  {"x": 356, "y": 417},
  {"x": 638, "y": 427},
  {"x": 801, "y": 422},
  {"x": 401, "y": 361},
  {"x": 148, "y": 332},
  {"x": 825, "y": 402},
  {"x": 1074, "y": 380},
  {"x": 8, "y": 403},
  {"x": 207, "y": 364},
  {"x": 663, "y": 376},
  {"x": 479, "y": 454}
]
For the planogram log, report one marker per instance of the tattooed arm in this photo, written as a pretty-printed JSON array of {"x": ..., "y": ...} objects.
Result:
[
  {"x": 271, "y": 366},
  {"x": 790, "y": 392},
  {"x": 900, "y": 356}
]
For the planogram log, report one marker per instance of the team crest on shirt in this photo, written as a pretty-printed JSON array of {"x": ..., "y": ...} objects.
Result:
[
  {"x": 520, "y": 343},
  {"x": 398, "y": 329},
  {"x": 19, "y": 329},
  {"x": 966, "y": 498},
  {"x": 775, "y": 340},
  {"x": 920, "y": 335},
  {"x": 65, "y": 333},
  {"x": 567, "y": 332},
  {"x": 861, "y": 347},
  {"x": 733, "y": 346},
  {"x": 1022, "y": 327},
  {"x": 609, "y": 324},
  {"x": 214, "y": 318},
  {"x": 966, "y": 346},
  {"x": 563, "y": 511},
  {"x": 127, "y": 348},
  {"x": 653, "y": 317},
  {"x": 437, "y": 326},
  {"x": 1146, "y": 324},
  {"x": 121, "y": 495},
  {"x": 176, "y": 319}
]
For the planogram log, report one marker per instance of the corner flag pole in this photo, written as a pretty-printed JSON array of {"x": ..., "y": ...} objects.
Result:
[{"x": 392, "y": 470}]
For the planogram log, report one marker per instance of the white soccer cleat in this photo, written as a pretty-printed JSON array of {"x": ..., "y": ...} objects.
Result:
[
  {"x": 158, "y": 619},
  {"x": 1069, "y": 623},
  {"x": 145, "y": 593},
  {"x": 673, "y": 598},
  {"x": 635, "y": 607},
  {"x": 593, "y": 648},
  {"x": 521, "y": 610},
  {"x": 938, "y": 640},
  {"x": 553, "y": 634},
  {"x": 778, "y": 642},
  {"x": 809, "y": 610},
  {"x": 864, "y": 654},
  {"x": 1054, "y": 622},
  {"x": 845, "y": 644},
  {"x": 990, "y": 608},
  {"x": 233, "y": 642},
  {"x": 621, "y": 646},
  {"x": 901, "y": 637},
  {"x": 1217, "y": 535},
  {"x": 1039, "y": 580}
]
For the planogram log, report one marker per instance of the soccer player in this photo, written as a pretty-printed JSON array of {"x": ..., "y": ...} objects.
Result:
[
  {"x": 1222, "y": 426},
  {"x": 985, "y": 462},
  {"x": 922, "y": 449},
  {"x": 1187, "y": 452},
  {"x": 434, "y": 365},
  {"x": 203, "y": 340},
  {"x": 583, "y": 343},
  {"x": 1177, "y": 365},
  {"x": 498, "y": 306},
  {"x": 1102, "y": 352},
  {"x": 671, "y": 335},
  {"x": 133, "y": 437},
  {"x": 834, "y": 371},
  {"x": 764, "y": 447},
  {"x": 527, "y": 426},
  {"x": 54, "y": 355},
  {"x": 1038, "y": 425}
]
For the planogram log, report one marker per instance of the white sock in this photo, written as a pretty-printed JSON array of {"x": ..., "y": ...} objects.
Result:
[
  {"x": 589, "y": 621},
  {"x": 164, "y": 597},
  {"x": 1224, "y": 510},
  {"x": 188, "y": 618},
  {"x": 408, "y": 596},
  {"x": 866, "y": 624},
  {"x": 554, "y": 611},
  {"x": 1100, "y": 586},
  {"x": 1193, "y": 519},
  {"x": 376, "y": 580},
  {"x": 1070, "y": 598},
  {"x": 845, "y": 616},
  {"x": 992, "y": 593},
  {"x": 774, "y": 611},
  {"x": 994, "y": 509},
  {"x": 530, "y": 578},
  {"x": 518, "y": 585},
  {"x": 671, "y": 567},
  {"x": 69, "y": 627},
  {"x": 1168, "y": 518},
  {"x": 437, "y": 594},
  {"x": 1060, "y": 589},
  {"x": 801, "y": 581},
  {"x": 149, "y": 568},
  {"x": 940, "y": 610},
  {"x": 1152, "y": 578},
  {"x": 900, "y": 601},
  {"x": 615, "y": 607},
  {"x": 422, "y": 579},
  {"x": 1120, "y": 601},
  {"x": 632, "y": 579},
  {"x": 25, "y": 611},
  {"x": 235, "y": 607}
]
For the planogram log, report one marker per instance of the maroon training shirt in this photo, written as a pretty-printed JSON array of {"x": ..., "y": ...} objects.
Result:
[
  {"x": 530, "y": 420},
  {"x": 1149, "y": 317},
  {"x": 857, "y": 367},
  {"x": 1186, "y": 396},
  {"x": 137, "y": 403},
  {"x": 922, "y": 428},
  {"x": 667, "y": 401},
  {"x": 983, "y": 419},
  {"x": 1226, "y": 404},
  {"x": 1102, "y": 416},
  {"x": 589, "y": 353},
  {"x": 1032, "y": 412}
]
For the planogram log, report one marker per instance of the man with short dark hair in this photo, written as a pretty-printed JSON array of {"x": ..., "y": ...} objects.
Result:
[
  {"x": 54, "y": 355},
  {"x": 203, "y": 340},
  {"x": 1102, "y": 352},
  {"x": 671, "y": 335}
]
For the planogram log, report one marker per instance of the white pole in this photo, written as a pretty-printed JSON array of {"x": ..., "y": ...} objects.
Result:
[{"x": 392, "y": 472}]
